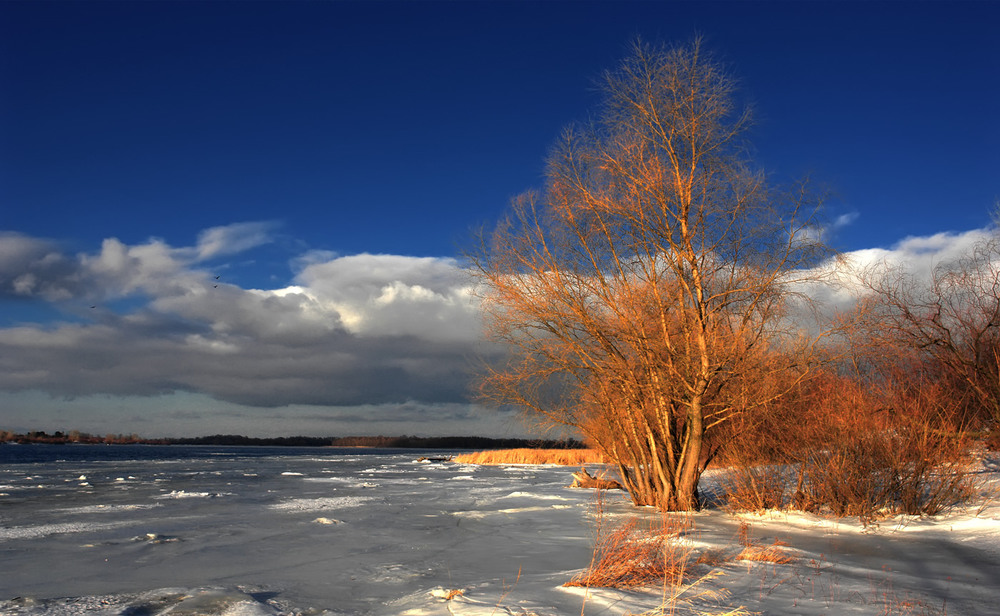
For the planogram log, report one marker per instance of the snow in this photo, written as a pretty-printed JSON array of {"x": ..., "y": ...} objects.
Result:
[{"x": 444, "y": 539}]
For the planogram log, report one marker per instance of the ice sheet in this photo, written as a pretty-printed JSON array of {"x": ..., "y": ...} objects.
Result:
[{"x": 383, "y": 534}]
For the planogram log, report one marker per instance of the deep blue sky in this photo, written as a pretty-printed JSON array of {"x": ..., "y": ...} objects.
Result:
[
  {"x": 391, "y": 128},
  {"x": 395, "y": 127}
]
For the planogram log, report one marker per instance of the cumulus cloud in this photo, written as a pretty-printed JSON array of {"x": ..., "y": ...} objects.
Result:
[
  {"x": 34, "y": 267},
  {"x": 353, "y": 330},
  {"x": 38, "y": 268},
  {"x": 395, "y": 296},
  {"x": 837, "y": 283},
  {"x": 919, "y": 256}
]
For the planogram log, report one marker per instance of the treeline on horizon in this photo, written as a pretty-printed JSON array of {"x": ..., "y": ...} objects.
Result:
[{"x": 387, "y": 442}]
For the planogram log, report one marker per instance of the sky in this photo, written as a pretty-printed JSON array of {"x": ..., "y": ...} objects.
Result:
[{"x": 247, "y": 217}]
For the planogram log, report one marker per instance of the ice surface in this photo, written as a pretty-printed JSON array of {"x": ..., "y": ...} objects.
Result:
[
  {"x": 251, "y": 532},
  {"x": 186, "y": 494},
  {"x": 44, "y": 530},
  {"x": 320, "y": 504}
]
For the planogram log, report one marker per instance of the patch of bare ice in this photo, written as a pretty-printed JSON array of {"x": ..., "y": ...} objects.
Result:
[
  {"x": 321, "y": 504},
  {"x": 535, "y": 495},
  {"x": 110, "y": 508},
  {"x": 185, "y": 494},
  {"x": 44, "y": 530}
]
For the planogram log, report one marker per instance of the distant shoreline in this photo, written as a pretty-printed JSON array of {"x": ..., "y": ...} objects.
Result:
[{"x": 384, "y": 442}]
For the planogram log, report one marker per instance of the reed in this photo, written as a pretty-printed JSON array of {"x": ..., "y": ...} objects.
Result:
[{"x": 566, "y": 457}]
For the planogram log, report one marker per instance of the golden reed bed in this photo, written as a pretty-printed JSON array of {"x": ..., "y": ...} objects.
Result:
[{"x": 567, "y": 457}]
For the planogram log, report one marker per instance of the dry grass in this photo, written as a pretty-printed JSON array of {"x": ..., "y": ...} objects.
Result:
[
  {"x": 755, "y": 552},
  {"x": 644, "y": 552},
  {"x": 566, "y": 457},
  {"x": 446, "y": 594},
  {"x": 773, "y": 553},
  {"x": 713, "y": 558},
  {"x": 866, "y": 475},
  {"x": 634, "y": 554}
]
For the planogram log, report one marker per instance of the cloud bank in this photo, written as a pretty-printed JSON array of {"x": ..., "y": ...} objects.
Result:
[
  {"x": 152, "y": 319},
  {"x": 366, "y": 339}
]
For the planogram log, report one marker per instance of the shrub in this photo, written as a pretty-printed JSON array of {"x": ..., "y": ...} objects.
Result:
[
  {"x": 755, "y": 488},
  {"x": 992, "y": 439},
  {"x": 896, "y": 445},
  {"x": 916, "y": 470}
]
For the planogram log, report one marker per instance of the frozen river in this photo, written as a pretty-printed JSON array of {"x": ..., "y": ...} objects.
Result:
[
  {"x": 199, "y": 531},
  {"x": 294, "y": 530}
]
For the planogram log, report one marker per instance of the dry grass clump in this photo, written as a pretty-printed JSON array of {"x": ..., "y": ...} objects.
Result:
[
  {"x": 446, "y": 594},
  {"x": 635, "y": 553},
  {"x": 991, "y": 440},
  {"x": 773, "y": 553},
  {"x": 566, "y": 457},
  {"x": 643, "y": 553},
  {"x": 755, "y": 552}
]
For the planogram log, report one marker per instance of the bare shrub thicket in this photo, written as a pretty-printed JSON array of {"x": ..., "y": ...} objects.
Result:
[
  {"x": 917, "y": 465},
  {"x": 949, "y": 321},
  {"x": 923, "y": 385},
  {"x": 898, "y": 443}
]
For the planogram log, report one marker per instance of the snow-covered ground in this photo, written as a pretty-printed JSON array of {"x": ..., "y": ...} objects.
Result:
[{"x": 342, "y": 533}]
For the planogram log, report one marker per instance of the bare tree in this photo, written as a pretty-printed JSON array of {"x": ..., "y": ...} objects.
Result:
[
  {"x": 951, "y": 321},
  {"x": 644, "y": 293}
]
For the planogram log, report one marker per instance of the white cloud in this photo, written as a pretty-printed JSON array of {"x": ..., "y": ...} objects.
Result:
[
  {"x": 118, "y": 269},
  {"x": 376, "y": 329},
  {"x": 25, "y": 284},
  {"x": 16, "y": 248},
  {"x": 823, "y": 232},
  {"x": 424, "y": 297},
  {"x": 234, "y": 238},
  {"x": 33, "y": 267},
  {"x": 844, "y": 220},
  {"x": 837, "y": 284},
  {"x": 919, "y": 256},
  {"x": 351, "y": 332}
]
